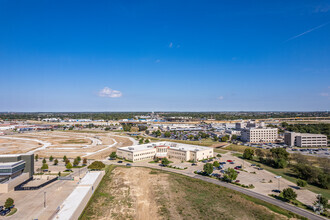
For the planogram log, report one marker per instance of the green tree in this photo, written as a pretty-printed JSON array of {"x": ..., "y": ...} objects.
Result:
[
  {"x": 67, "y": 161},
  {"x": 44, "y": 166},
  {"x": 320, "y": 199},
  {"x": 260, "y": 154},
  {"x": 248, "y": 153},
  {"x": 9, "y": 203},
  {"x": 85, "y": 161},
  {"x": 36, "y": 157},
  {"x": 68, "y": 166},
  {"x": 64, "y": 158},
  {"x": 301, "y": 183},
  {"x": 165, "y": 161},
  {"x": 208, "y": 168},
  {"x": 147, "y": 141},
  {"x": 59, "y": 173},
  {"x": 279, "y": 153},
  {"x": 216, "y": 164},
  {"x": 75, "y": 162},
  {"x": 167, "y": 134},
  {"x": 281, "y": 163},
  {"x": 96, "y": 165},
  {"x": 289, "y": 194},
  {"x": 79, "y": 159},
  {"x": 141, "y": 141},
  {"x": 215, "y": 138},
  {"x": 44, "y": 160},
  {"x": 55, "y": 161},
  {"x": 225, "y": 138},
  {"x": 51, "y": 158},
  {"x": 218, "y": 155},
  {"x": 113, "y": 155},
  {"x": 230, "y": 175},
  {"x": 233, "y": 137}
]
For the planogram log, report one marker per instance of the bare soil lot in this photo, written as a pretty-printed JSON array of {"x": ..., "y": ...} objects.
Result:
[
  {"x": 141, "y": 193},
  {"x": 57, "y": 144}
]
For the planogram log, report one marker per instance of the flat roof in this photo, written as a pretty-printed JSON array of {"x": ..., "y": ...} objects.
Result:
[
  {"x": 72, "y": 202},
  {"x": 14, "y": 155},
  {"x": 89, "y": 178},
  {"x": 172, "y": 145}
]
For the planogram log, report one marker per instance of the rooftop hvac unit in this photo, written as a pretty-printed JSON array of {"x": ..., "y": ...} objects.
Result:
[
  {"x": 149, "y": 146},
  {"x": 130, "y": 148}
]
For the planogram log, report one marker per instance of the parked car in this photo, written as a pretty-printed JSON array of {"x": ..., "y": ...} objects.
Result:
[
  {"x": 229, "y": 161},
  {"x": 1, "y": 208},
  {"x": 4, "y": 212},
  {"x": 120, "y": 161},
  {"x": 237, "y": 181},
  {"x": 128, "y": 164},
  {"x": 193, "y": 164},
  {"x": 276, "y": 191},
  {"x": 232, "y": 163},
  {"x": 260, "y": 168},
  {"x": 253, "y": 165}
]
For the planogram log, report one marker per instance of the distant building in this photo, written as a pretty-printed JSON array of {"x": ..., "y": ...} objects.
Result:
[
  {"x": 15, "y": 169},
  {"x": 184, "y": 152},
  {"x": 305, "y": 139},
  {"x": 259, "y": 135}
]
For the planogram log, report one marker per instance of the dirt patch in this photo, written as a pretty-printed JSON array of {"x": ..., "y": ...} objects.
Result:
[{"x": 141, "y": 193}]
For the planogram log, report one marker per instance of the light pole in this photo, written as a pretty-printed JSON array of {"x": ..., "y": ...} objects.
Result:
[
  {"x": 279, "y": 186},
  {"x": 44, "y": 199}
]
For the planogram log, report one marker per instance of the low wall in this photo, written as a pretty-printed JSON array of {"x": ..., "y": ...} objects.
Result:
[
  {"x": 10, "y": 185},
  {"x": 76, "y": 202}
]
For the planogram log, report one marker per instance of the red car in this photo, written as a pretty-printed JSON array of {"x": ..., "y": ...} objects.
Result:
[
  {"x": 237, "y": 181},
  {"x": 229, "y": 161}
]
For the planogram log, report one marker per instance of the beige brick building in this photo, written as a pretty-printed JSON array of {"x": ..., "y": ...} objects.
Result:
[
  {"x": 259, "y": 135},
  {"x": 184, "y": 152},
  {"x": 305, "y": 139}
]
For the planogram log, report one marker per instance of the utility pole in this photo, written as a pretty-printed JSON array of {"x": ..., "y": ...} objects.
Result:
[{"x": 44, "y": 199}]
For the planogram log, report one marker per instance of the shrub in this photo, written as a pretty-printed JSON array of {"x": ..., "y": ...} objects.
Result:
[
  {"x": 289, "y": 194},
  {"x": 96, "y": 165},
  {"x": 301, "y": 183}
]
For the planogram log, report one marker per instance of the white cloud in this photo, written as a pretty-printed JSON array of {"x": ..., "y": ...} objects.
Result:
[
  {"x": 220, "y": 97},
  {"x": 110, "y": 93},
  {"x": 325, "y": 94},
  {"x": 170, "y": 45}
]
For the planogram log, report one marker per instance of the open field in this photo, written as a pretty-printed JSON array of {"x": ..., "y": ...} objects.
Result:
[
  {"x": 240, "y": 148},
  {"x": 142, "y": 193},
  {"x": 58, "y": 144}
]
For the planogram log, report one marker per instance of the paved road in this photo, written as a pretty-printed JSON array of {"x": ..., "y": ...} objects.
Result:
[{"x": 270, "y": 200}]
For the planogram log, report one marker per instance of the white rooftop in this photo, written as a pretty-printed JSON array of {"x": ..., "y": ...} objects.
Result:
[
  {"x": 89, "y": 178},
  {"x": 172, "y": 145},
  {"x": 72, "y": 202}
]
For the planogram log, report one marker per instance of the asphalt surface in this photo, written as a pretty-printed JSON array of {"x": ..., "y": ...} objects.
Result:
[{"x": 270, "y": 200}]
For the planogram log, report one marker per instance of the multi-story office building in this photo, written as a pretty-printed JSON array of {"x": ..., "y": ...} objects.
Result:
[
  {"x": 15, "y": 169},
  {"x": 178, "y": 151},
  {"x": 305, "y": 139},
  {"x": 259, "y": 135}
]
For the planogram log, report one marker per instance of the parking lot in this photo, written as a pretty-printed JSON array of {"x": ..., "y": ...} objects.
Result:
[{"x": 318, "y": 152}]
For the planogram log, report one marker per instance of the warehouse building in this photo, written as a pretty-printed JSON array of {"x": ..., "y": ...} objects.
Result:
[
  {"x": 305, "y": 139},
  {"x": 184, "y": 152},
  {"x": 259, "y": 135}
]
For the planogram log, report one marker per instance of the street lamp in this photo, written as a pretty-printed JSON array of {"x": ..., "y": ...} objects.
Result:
[
  {"x": 278, "y": 177},
  {"x": 44, "y": 199}
]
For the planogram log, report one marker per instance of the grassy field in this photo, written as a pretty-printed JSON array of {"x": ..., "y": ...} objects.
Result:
[
  {"x": 74, "y": 141},
  {"x": 240, "y": 148},
  {"x": 185, "y": 198},
  {"x": 204, "y": 142},
  {"x": 221, "y": 151}
]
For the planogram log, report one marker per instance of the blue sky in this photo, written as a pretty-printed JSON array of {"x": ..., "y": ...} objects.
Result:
[{"x": 164, "y": 55}]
